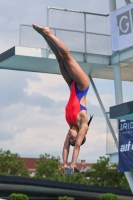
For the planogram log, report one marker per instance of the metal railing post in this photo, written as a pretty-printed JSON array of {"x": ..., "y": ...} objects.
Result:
[
  {"x": 20, "y": 35},
  {"x": 48, "y": 16},
  {"x": 48, "y": 26},
  {"x": 85, "y": 50}
]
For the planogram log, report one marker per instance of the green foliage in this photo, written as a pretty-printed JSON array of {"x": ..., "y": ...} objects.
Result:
[
  {"x": 11, "y": 165},
  {"x": 123, "y": 183},
  {"x": 15, "y": 196},
  {"x": 48, "y": 167},
  {"x": 108, "y": 196},
  {"x": 103, "y": 173},
  {"x": 77, "y": 178},
  {"x": 65, "y": 198}
]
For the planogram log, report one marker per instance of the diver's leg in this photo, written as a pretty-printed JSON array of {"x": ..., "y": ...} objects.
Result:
[
  {"x": 75, "y": 71},
  {"x": 63, "y": 69}
]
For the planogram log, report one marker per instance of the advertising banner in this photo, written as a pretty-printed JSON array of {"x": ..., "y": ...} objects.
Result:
[
  {"x": 125, "y": 146},
  {"x": 121, "y": 21}
]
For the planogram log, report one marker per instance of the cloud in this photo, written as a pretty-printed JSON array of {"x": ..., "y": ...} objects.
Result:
[
  {"x": 50, "y": 85},
  {"x": 5, "y": 134},
  {"x": 34, "y": 115},
  {"x": 33, "y": 112},
  {"x": 11, "y": 86}
]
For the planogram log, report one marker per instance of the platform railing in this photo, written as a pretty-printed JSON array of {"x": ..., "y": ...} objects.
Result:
[
  {"x": 81, "y": 31},
  {"x": 93, "y": 29}
]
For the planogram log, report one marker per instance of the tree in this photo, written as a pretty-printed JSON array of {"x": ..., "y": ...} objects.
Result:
[
  {"x": 11, "y": 165},
  {"x": 48, "y": 167},
  {"x": 123, "y": 183},
  {"x": 103, "y": 173},
  {"x": 77, "y": 178}
]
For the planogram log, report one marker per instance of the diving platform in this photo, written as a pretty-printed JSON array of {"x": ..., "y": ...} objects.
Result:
[
  {"x": 122, "y": 111},
  {"x": 43, "y": 61}
]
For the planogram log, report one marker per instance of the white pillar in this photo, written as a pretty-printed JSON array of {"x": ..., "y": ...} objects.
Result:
[
  {"x": 127, "y": 1},
  {"x": 112, "y": 5},
  {"x": 129, "y": 176},
  {"x": 118, "y": 84}
]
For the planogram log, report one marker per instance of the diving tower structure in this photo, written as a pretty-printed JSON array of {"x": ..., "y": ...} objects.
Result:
[{"x": 89, "y": 44}]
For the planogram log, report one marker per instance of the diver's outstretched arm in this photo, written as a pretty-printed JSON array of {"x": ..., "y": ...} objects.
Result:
[
  {"x": 81, "y": 134},
  {"x": 65, "y": 151}
]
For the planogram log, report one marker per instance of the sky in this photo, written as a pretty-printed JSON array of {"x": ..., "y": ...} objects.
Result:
[{"x": 32, "y": 105}]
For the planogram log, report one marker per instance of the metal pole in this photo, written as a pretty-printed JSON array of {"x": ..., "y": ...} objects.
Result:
[
  {"x": 85, "y": 37},
  {"x": 78, "y": 11},
  {"x": 118, "y": 84},
  {"x": 104, "y": 112},
  {"x": 129, "y": 176},
  {"x": 48, "y": 26},
  {"x": 20, "y": 35},
  {"x": 127, "y": 1},
  {"x": 112, "y": 5},
  {"x": 48, "y": 16}
]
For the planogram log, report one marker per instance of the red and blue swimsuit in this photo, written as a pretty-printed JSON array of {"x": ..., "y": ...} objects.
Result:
[{"x": 73, "y": 106}]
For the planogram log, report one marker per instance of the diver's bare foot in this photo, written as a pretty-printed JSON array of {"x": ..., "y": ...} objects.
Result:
[
  {"x": 65, "y": 166},
  {"x": 40, "y": 29}
]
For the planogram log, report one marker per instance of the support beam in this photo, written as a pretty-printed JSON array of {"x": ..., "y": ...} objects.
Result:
[
  {"x": 118, "y": 84},
  {"x": 112, "y": 5},
  {"x": 129, "y": 176},
  {"x": 104, "y": 112},
  {"x": 127, "y": 1}
]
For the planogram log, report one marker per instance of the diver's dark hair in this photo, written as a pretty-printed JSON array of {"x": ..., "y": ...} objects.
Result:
[
  {"x": 73, "y": 144},
  {"x": 90, "y": 120}
]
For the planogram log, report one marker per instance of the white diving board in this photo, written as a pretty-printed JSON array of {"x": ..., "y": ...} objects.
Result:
[
  {"x": 43, "y": 61},
  {"x": 122, "y": 111}
]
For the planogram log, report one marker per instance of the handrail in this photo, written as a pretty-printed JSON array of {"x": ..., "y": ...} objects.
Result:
[
  {"x": 104, "y": 15},
  {"x": 86, "y": 31},
  {"x": 70, "y": 30}
]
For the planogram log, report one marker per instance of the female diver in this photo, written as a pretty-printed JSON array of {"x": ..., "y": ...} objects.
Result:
[{"x": 78, "y": 82}]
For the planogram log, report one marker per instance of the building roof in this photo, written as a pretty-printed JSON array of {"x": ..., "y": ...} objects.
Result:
[
  {"x": 30, "y": 163},
  {"x": 81, "y": 166}
]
